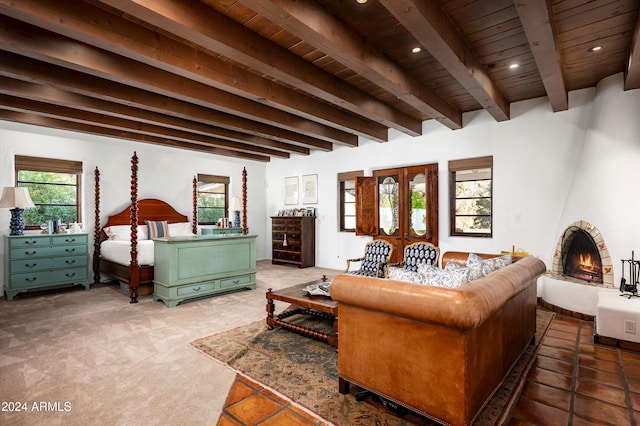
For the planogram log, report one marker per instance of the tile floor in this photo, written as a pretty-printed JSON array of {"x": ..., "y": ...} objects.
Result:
[{"x": 572, "y": 382}]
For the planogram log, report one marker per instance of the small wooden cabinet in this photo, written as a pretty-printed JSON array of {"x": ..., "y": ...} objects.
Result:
[
  {"x": 193, "y": 267},
  {"x": 294, "y": 240},
  {"x": 45, "y": 261}
]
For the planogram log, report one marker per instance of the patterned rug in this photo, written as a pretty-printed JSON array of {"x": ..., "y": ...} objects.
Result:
[{"x": 306, "y": 372}]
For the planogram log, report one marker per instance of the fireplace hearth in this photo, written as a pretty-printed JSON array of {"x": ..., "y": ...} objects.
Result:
[{"x": 582, "y": 256}]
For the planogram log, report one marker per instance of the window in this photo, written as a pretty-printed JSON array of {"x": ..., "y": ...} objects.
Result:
[
  {"x": 212, "y": 198},
  {"x": 55, "y": 187},
  {"x": 470, "y": 192},
  {"x": 347, "y": 190}
]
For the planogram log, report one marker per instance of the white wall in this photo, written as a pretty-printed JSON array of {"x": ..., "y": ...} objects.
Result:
[
  {"x": 163, "y": 173},
  {"x": 534, "y": 154}
]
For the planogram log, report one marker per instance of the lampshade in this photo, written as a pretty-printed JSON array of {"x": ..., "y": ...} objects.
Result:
[
  {"x": 16, "y": 197},
  {"x": 236, "y": 206}
]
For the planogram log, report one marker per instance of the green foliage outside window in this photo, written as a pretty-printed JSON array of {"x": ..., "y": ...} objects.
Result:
[
  {"x": 211, "y": 202},
  {"x": 54, "y": 195}
]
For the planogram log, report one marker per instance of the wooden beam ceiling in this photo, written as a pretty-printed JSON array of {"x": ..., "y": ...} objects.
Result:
[
  {"x": 535, "y": 16},
  {"x": 261, "y": 79}
]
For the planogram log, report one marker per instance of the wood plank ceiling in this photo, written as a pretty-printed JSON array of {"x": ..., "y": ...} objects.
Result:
[{"x": 256, "y": 79}]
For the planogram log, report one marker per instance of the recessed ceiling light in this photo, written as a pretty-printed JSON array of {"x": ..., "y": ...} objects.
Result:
[
  {"x": 594, "y": 48},
  {"x": 416, "y": 50},
  {"x": 361, "y": 1},
  {"x": 513, "y": 66}
]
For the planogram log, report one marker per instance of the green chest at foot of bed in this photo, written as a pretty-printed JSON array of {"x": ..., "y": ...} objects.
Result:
[{"x": 194, "y": 267}]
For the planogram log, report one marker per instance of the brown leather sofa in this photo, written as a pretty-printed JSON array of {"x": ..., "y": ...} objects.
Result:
[{"x": 439, "y": 352}]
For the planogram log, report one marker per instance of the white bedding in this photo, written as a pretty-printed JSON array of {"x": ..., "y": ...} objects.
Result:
[{"x": 120, "y": 252}]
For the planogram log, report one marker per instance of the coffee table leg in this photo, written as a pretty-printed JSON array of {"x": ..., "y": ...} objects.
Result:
[{"x": 270, "y": 309}]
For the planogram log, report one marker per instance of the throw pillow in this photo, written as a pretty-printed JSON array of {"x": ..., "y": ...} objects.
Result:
[
  {"x": 474, "y": 263},
  {"x": 503, "y": 261},
  {"x": 452, "y": 278},
  {"x": 157, "y": 229},
  {"x": 401, "y": 274},
  {"x": 488, "y": 266}
]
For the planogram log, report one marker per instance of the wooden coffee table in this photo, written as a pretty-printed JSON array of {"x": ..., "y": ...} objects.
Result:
[{"x": 303, "y": 304}]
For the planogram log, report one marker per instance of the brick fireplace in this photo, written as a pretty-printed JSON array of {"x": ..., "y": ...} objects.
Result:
[{"x": 582, "y": 257}]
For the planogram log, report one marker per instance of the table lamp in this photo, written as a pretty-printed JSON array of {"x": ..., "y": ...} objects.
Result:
[
  {"x": 235, "y": 208},
  {"x": 17, "y": 199}
]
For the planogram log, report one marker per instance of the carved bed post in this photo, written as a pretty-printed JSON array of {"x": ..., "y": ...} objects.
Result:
[
  {"x": 134, "y": 279},
  {"x": 195, "y": 205},
  {"x": 244, "y": 201},
  {"x": 96, "y": 228}
]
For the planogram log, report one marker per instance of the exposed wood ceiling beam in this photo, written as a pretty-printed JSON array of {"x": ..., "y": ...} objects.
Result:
[
  {"x": 38, "y": 120},
  {"x": 202, "y": 25},
  {"x": 435, "y": 32},
  {"x": 36, "y": 43},
  {"x": 632, "y": 73},
  {"x": 120, "y": 36},
  {"x": 121, "y": 124},
  {"x": 535, "y": 16},
  {"x": 308, "y": 21},
  {"x": 54, "y": 96},
  {"x": 30, "y": 70}
]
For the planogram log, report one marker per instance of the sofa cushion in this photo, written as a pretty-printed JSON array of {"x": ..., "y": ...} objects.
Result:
[
  {"x": 451, "y": 277},
  {"x": 401, "y": 274}
]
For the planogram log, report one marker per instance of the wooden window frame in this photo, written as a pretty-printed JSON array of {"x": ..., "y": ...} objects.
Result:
[
  {"x": 204, "y": 178},
  {"x": 342, "y": 179},
  {"x": 463, "y": 165},
  {"x": 50, "y": 165}
]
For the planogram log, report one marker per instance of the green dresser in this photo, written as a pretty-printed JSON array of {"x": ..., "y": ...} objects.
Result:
[
  {"x": 193, "y": 267},
  {"x": 45, "y": 261}
]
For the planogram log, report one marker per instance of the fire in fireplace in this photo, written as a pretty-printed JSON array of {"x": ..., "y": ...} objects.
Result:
[{"x": 581, "y": 258}]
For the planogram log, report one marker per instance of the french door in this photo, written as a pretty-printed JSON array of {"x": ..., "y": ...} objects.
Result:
[{"x": 399, "y": 205}]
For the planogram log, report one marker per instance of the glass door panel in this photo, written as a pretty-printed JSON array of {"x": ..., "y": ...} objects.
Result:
[
  {"x": 388, "y": 207},
  {"x": 417, "y": 205}
]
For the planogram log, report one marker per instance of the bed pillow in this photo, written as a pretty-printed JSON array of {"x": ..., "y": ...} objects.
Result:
[
  {"x": 157, "y": 228},
  {"x": 180, "y": 229},
  {"x": 123, "y": 232}
]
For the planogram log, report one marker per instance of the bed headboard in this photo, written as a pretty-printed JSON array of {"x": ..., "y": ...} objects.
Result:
[{"x": 148, "y": 209}]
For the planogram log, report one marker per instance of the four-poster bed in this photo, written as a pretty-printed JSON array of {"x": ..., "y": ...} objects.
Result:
[{"x": 128, "y": 228}]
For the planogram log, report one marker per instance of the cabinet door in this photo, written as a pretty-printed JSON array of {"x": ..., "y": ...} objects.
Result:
[{"x": 366, "y": 206}]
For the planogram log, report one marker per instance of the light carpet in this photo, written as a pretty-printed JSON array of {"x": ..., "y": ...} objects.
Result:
[{"x": 305, "y": 371}]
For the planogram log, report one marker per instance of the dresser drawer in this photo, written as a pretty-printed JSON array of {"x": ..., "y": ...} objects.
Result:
[
  {"x": 286, "y": 256},
  {"x": 46, "y": 263},
  {"x": 236, "y": 281},
  {"x": 36, "y": 251},
  {"x": 43, "y": 278},
  {"x": 195, "y": 289},
  {"x": 28, "y": 242},
  {"x": 69, "y": 240}
]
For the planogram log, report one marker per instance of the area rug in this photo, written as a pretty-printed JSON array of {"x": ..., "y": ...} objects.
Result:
[{"x": 306, "y": 372}]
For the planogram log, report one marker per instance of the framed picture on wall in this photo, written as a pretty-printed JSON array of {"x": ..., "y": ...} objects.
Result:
[
  {"x": 310, "y": 189},
  {"x": 291, "y": 190}
]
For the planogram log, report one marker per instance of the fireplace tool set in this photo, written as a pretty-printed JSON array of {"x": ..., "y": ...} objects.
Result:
[{"x": 630, "y": 289}]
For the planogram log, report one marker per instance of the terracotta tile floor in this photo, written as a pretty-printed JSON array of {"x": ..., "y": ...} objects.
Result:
[{"x": 572, "y": 382}]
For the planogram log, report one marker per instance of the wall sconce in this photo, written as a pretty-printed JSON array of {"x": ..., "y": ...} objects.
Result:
[
  {"x": 17, "y": 199},
  {"x": 235, "y": 208}
]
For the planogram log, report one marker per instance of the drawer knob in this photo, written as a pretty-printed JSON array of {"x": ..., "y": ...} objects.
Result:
[
  {"x": 73, "y": 274},
  {"x": 30, "y": 265},
  {"x": 70, "y": 240},
  {"x": 31, "y": 279},
  {"x": 70, "y": 250},
  {"x": 70, "y": 262},
  {"x": 27, "y": 242},
  {"x": 29, "y": 253}
]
